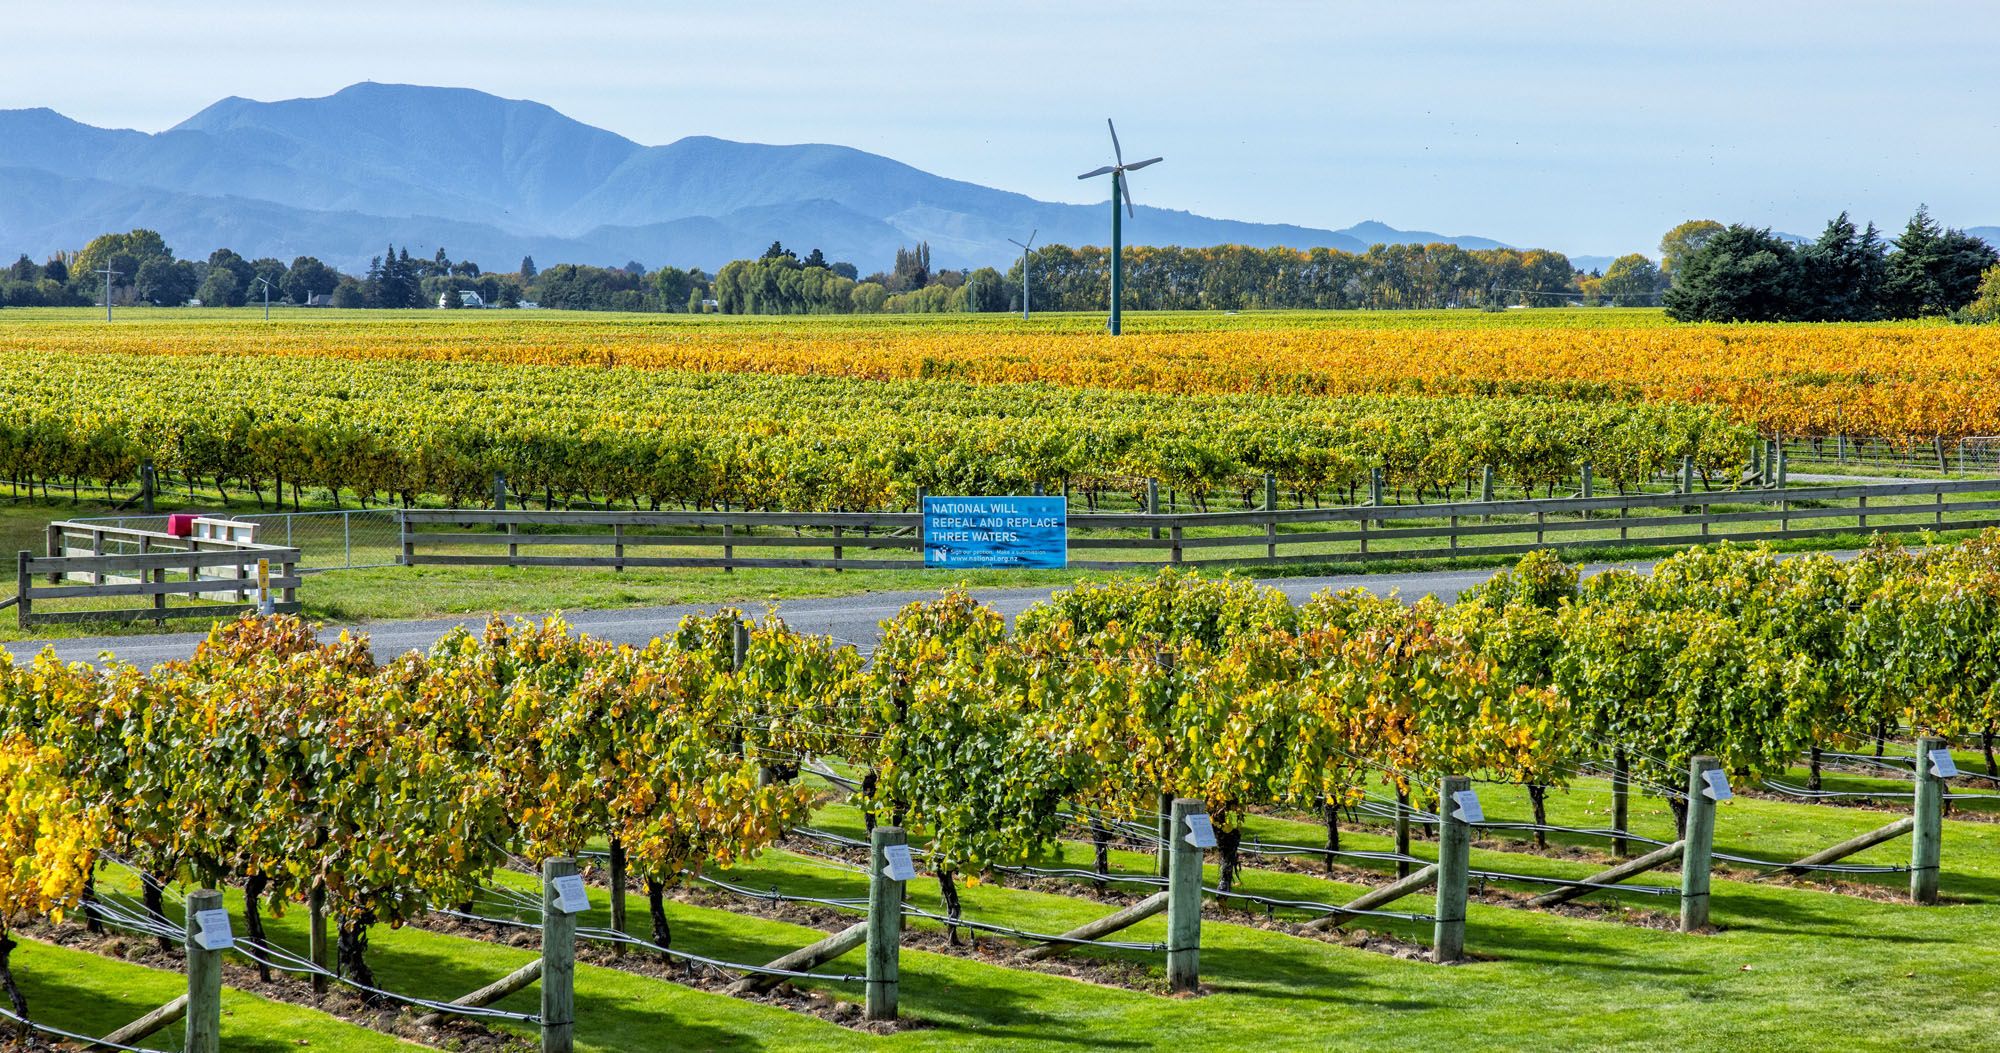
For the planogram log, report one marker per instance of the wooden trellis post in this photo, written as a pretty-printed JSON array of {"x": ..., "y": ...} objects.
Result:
[
  {"x": 1926, "y": 833},
  {"x": 1454, "y": 860},
  {"x": 1698, "y": 847},
  {"x": 885, "y": 921},
  {"x": 1184, "y": 898}
]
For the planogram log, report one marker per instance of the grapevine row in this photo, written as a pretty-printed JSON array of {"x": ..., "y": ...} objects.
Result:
[
  {"x": 1896, "y": 380},
  {"x": 288, "y": 764},
  {"x": 405, "y": 429}
]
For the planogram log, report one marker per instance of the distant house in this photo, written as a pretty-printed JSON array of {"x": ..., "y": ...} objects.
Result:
[
  {"x": 320, "y": 300},
  {"x": 528, "y": 305},
  {"x": 467, "y": 298}
]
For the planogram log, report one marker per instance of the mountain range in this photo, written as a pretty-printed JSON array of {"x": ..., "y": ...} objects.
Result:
[{"x": 493, "y": 179}]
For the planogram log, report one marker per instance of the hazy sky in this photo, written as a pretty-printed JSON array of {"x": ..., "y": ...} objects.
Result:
[{"x": 1588, "y": 127}]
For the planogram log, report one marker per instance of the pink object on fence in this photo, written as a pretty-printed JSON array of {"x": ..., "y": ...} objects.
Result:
[{"x": 181, "y": 524}]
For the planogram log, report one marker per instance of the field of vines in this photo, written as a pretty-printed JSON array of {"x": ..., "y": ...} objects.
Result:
[
  {"x": 847, "y": 414},
  {"x": 1914, "y": 380},
  {"x": 399, "y": 787},
  {"x": 386, "y": 429}
]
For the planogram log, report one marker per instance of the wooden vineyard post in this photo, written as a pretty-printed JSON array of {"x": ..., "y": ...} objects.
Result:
[
  {"x": 1621, "y": 802},
  {"x": 1184, "y": 902},
  {"x": 316, "y": 936},
  {"x": 1486, "y": 483},
  {"x": 1588, "y": 490},
  {"x": 558, "y": 962},
  {"x": 1454, "y": 859},
  {"x": 1927, "y": 833},
  {"x": 1271, "y": 524},
  {"x": 1402, "y": 834},
  {"x": 885, "y": 924},
  {"x": 1698, "y": 848},
  {"x": 23, "y": 581},
  {"x": 1164, "y": 817},
  {"x": 1375, "y": 487},
  {"x": 1153, "y": 503},
  {"x": 617, "y": 866},
  {"x": 204, "y": 975}
]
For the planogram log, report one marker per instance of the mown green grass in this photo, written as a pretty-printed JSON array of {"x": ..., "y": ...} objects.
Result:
[
  {"x": 92, "y": 995},
  {"x": 1790, "y": 967}
]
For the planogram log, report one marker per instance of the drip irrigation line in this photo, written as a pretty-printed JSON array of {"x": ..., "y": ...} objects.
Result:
[
  {"x": 46, "y": 1029},
  {"x": 1270, "y": 848},
  {"x": 1034, "y": 937},
  {"x": 1831, "y": 868},
  {"x": 285, "y": 961},
  {"x": 605, "y": 935},
  {"x": 860, "y": 904},
  {"x": 852, "y": 903},
  {"x": 1870, "y": 759},
  {"x": 1794, "y": 790},
  {"x": 1605, "y": 832},
  {"x": 1536, "y": 879},
  {"x": 1315, "y": 906}
]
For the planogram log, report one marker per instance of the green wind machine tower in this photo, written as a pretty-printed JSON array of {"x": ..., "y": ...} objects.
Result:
[{"x": 1119, "y": 190}]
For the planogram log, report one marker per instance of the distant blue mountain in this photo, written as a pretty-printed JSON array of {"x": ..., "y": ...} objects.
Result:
[{"x": 493, "y": 179}]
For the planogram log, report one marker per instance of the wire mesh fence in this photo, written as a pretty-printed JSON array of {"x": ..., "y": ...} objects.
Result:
[{"x": 344, "y": 540}]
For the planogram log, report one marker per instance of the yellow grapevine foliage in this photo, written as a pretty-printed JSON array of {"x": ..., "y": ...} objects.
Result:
[
  {"x": 1891, "y": 379},
  {"x": 393, "y": 428},
  {"x": 277, "y": 757},
  {"x": 49, "y": 836}
]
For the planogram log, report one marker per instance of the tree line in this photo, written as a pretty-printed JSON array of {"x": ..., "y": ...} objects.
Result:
[
  {"x": 1848, "y": 274},
  {"x": 1706, "y": 272}
]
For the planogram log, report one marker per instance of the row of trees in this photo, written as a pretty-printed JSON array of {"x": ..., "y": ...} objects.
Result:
[
  {"x": 1707, "y": 272},
  {"x": 1849, "y": 274},
  {"x": 1063, "y": 278},
  {"x": 145, "y": 270}
]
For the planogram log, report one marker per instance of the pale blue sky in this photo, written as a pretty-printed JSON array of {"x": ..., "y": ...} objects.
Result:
[{"x": 1588, "y": 127}]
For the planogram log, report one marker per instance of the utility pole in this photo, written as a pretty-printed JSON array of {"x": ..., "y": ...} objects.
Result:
[{"x": 108, "y": 275}]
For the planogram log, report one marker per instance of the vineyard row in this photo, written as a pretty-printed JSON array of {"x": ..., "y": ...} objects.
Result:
[
  {"x": 387, "y": 429},
  {"x": 293, "y": 766},
  {"x": 1897, "y": 380}
]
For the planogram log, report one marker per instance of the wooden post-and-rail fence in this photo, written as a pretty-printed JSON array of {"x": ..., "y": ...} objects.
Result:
[
  {"x": 91, "y": 561},
  {"x": 1265, "y": 536}
]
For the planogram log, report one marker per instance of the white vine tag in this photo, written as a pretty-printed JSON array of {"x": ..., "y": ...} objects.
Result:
[
  {"x": 899, "y": 866},
  {"x": 571, "y": 896},
  {"x": 212, "y": 930}
]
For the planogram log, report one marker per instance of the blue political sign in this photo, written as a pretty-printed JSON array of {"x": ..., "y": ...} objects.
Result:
[{"x": 996, "y": 532}]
